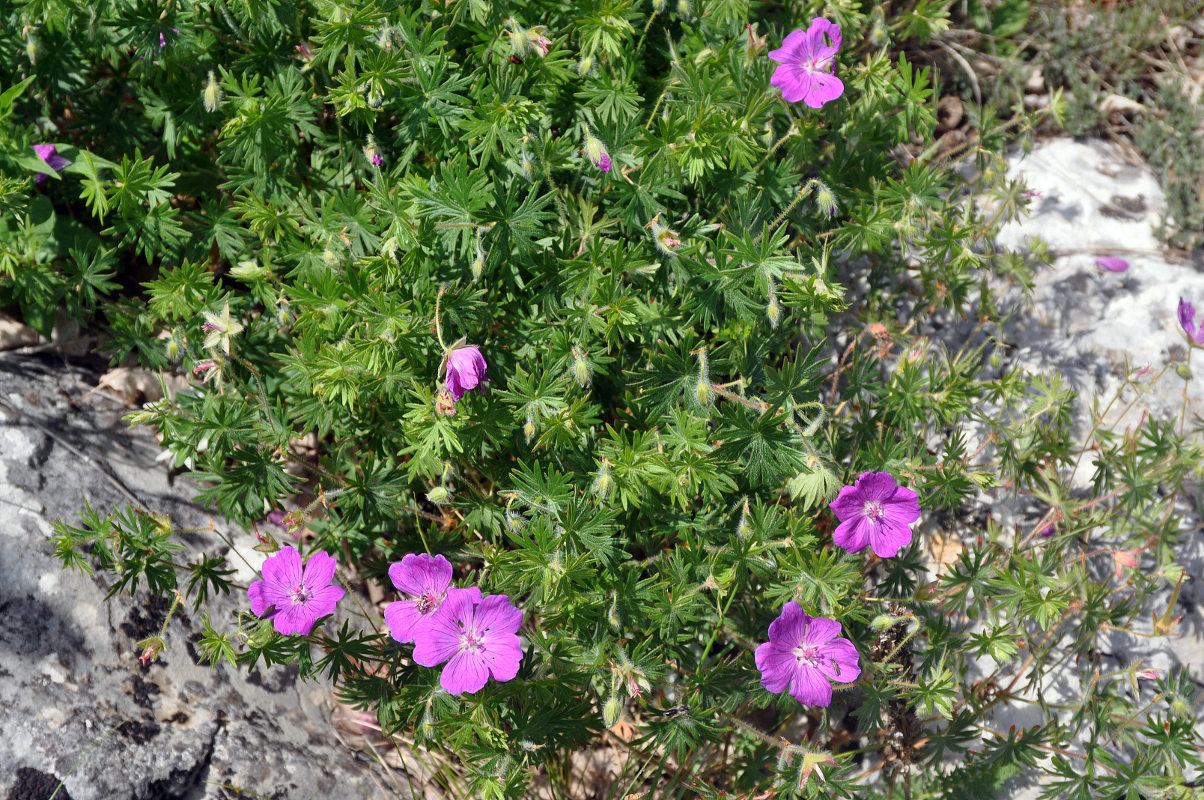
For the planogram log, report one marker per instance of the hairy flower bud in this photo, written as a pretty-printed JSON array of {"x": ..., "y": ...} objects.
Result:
[
  {"x": 478, "y": 264},
  {"x": 372, "y": 153},
  {"x": 743, "y": 528},
  {"x": 773, "y": 310},
  {"x": 31, "y": 50},
  {"x": 211, "y": 97},
  {"x": 248, "y": 270},
  {"x": 438, "y": 495},
  {"x": 703, "y": 393},
  {"x": 604, "y": 483},
  {"x": 1183, "y": 371},
  {"x": 595, "y": 151},
  {"x": 611, "y": 711},
  {"x": 825, "y": 199},
  {"x": 582, "y": 370},
  {"x": 151, "y": 647},
  {"x": 529, "y": 427},
  {"x": 388, "y": 248},
  {"x": 658, "y": 6},
  {"x": 585, "y": 66},
  {"x": 684, "y": 8}
]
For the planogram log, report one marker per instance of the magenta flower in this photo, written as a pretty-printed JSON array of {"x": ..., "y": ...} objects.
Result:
[
  {"x": 1112, "y": 263},
  {"x": 478, "y": 640},
  {"x": 1187, "y": 318},
  {"x": 875, "y": 511},
  {"x": 47, "y": 153},
  {"x": 465, "y": 370},
  {"x": 806, "y": 64},
  {"x": 804, "y": 655},
  {"x": 428, "y": 580},
  {"x": 292, "y": 597}
]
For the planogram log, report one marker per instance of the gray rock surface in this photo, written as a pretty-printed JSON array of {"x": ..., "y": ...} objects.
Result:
[{"x": 78, "y": 706}]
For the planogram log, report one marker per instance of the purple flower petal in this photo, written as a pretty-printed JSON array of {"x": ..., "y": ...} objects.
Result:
[
  {"x": 465, "y": 370},
  {"x": 319, "y": 571},
  {"x": 824, "y": 89},
  {"x": 283, "y": 568},
  {"x": 853, "y": 534},
  {"x": 821, "y": 630},
  {"x": 839, "y": 661},
  {"x": 810, "y": 687},
  {"x": 1112, "y": 263},
  {"x": 419, "y": 572},
  {"x": 1187, "y": 316},
  {"x": 465, "y": 672}
]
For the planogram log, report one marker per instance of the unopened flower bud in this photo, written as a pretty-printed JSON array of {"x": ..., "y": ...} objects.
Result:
[
  {"x": 211, "y": 97},
  {"x": 372, "y": 153},
  {"x": 604, "y": 484},
  {"x": 703, "y": 393},
  {"x": 825, "y": 199},
  {"x": 31, "y": 50},
  {"x": 595, "y": 151},
  {"x": 529, "y": 427},
  {"x": 883, "y": 622},
  {"x": 773, "y": 310},
  {"x": 582, "y": 371},
  {"x": 248, "y": 271},
  {"x": 658, "y": 6},
  {"x": 374, "y": 97},
  {"x": 743, "y": 528},
  {"x": 585, "y": 65},
  {"x": 438, "y": 495},
  {"x": 331, "y": 257},
  {"x": 611, "y": 711},
  {"x": 684, "y": 9},
  {"x": 478, "y": 264},
  {"x": 612, "y": 616},
  {"x": 389, "y": 248},
  {"x": 1183, "y": 370},
  {"x": 175, "y": 345}
]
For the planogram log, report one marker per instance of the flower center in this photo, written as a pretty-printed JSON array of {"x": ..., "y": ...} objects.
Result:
[
  {"x": 874, "y": 511},
  {"x": 299, "y": 594},
  {"x": 471, "y": 641},
  {"x": 428, "y": 601},
  {"x": 806, "y": 654}
]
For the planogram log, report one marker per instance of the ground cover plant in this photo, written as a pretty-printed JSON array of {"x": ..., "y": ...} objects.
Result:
[{"x": 603, "y": 337}]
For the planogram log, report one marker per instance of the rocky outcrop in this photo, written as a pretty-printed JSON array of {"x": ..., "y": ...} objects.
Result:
[{"x": 78, "y": 705}]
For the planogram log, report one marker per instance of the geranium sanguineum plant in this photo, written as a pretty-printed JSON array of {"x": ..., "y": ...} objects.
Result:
[{"x": 299, "y": 212}]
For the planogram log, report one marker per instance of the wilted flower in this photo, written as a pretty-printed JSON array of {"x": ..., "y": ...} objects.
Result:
[
  {"x": 478, "y": 640},
  {"x": 220, "y": 328},
  {"x": 539, "y": 40},
  {"x": 1112, "y": 263},
  {"x": 292, "y": 597},
  {"x": 211, "y": 97},
  {"x": 666, "y": 240},
  {"x": 1187, "y": 318},
  {"x": 875, "y": 511},
  {"x": 47, "y": 153},
  {"x": 806, "y": 59},
  {"x": 1149, "y": 674},
  {"x": 208, "y": 371},
  {"x": 1122, "y": 559},
  {"x": 427, "y": 579},
  {"x": 595, "y": 151},
  {"x": 465, "y": 368},
  {"x": 804, "y": 655}
]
